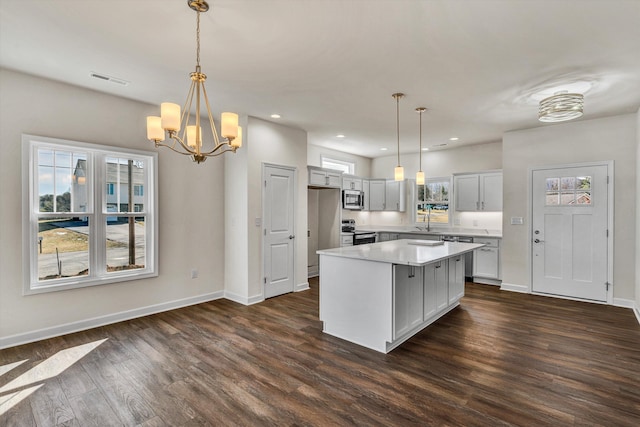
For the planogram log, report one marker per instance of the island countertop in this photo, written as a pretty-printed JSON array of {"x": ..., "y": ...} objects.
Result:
[{"x": 403, "y": 252}]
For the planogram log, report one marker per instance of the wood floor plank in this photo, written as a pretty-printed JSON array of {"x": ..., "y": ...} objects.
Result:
[{"x": 499, "y": 359}]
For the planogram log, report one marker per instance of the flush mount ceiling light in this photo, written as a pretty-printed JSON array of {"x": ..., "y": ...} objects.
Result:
[
  {"x": 420, "y": 174},
  {"x": 171, "y": 121},
  {"x": 561, "y": 107},
  {"x": 399, "y": 170}
]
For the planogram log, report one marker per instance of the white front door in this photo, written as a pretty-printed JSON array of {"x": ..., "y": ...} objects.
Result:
[
  {"x": 569, "y": 238},
  {"x": 279, "y": 237}
]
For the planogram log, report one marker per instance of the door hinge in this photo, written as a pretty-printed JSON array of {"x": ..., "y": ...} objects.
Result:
[
  {"x": 265, "y": 280},
  {"x": 607, "y": 179},
  {"x": 264, "y": 231},
  {"x": 265, "y": 182},
  {"x": 607, "y": 284},
  {"x": 607, "y": 232}
]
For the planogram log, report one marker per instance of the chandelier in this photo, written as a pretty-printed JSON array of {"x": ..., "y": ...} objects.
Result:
[
  {"x": 172, "y": 120},
  {"x": 560, "y": 107},
  {"x": 398, "y": 172}
]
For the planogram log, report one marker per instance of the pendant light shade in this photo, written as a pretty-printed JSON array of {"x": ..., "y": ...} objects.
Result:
[
  {"x": 399, "y": 170},
  {"x": 420, "y": 174}
]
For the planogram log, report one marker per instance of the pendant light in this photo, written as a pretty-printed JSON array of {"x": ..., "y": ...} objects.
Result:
[
  {"x": 399, "y": 170},
  {"x": 420, "y": 174}
]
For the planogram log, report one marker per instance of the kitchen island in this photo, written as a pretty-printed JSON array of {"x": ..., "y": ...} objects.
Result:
[{"x": 381, "y": 294}]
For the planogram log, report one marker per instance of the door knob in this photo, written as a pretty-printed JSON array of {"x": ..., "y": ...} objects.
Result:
[
  {"x": 538, "y": 241},
  {"x": 292, "y": 237}
]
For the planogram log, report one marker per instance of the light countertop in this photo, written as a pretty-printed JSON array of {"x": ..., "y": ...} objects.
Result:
[
  {"x": 454, "y": 231},
  {"x": 405, "y": 251}
]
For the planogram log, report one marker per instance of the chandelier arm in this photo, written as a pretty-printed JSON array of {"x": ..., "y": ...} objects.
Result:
[
  {"x": 186, "y": 111},
  {"x": 212, "y": 123},
  {"x": 172, "y": 146},
  {"x": 224, "y": 147}
]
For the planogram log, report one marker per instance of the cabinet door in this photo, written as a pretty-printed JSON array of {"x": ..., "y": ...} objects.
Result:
[
  {"x": 407, "y": 299},
  {"x": 442, "y": 285},
  {"x": 366, "y": 194},
  {"x": 383, "y": 237},
  {"x": 317, "y": 177},
  {"x": 485, "y": 262},
  {"x": 430, "y": 293},
  {"x": 491, "y": 192},
  {"x": 356, "y": 184},
  {"x": 334, "y": 179},
  {"x": 392, "y": 195},
  {"x": 456, "y": 278},
  {"x": 466, "y": 189},
  {"x": 377, "y": 196}
]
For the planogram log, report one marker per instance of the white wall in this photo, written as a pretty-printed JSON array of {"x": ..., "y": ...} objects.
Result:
[
  {"x": 612, "y": 138},
  {"x": 315, "y": 152},
  {"x": 276, "y": 144},
  {"x": 190, "y": 208},
  {"x": 638, "y": 214}
]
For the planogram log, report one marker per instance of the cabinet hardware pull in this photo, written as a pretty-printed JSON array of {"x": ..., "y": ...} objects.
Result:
[{"x": 482, "y": 205}]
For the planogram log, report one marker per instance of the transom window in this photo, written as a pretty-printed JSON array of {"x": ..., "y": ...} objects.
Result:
[
  {"x": 88, "y": 217},
  {"x": 568, "y": 191},
  {"x": 340, "y": 165},
  {"x": 432, "y": 201}
]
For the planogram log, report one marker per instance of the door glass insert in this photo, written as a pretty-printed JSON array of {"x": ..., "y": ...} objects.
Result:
[{"x": 568, "y": 191}]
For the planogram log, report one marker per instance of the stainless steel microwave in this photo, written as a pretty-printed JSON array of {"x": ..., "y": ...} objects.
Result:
[{"x": 352, "y": 199}]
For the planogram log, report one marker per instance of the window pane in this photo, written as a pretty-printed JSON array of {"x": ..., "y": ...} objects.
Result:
[
  {"x": 553, "y": 184},
  {"x": 62, "y": 181},
  {"x": 583, "y": 182},
  {"x": 583, "y": 198},
  {"x": 568, "y": 183},
  {"x": 126, "y": 243},
  {"x": 567, "y": 198},
  {"x": 125, "y": 177},
  {"x": 553, "y": 198},
  {"x": 63, "y": 248}
]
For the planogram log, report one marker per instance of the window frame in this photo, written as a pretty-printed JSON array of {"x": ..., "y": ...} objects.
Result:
[
  {"x": 448, "y": 179},
  {"x": 351, "y": 166},
  {"x": 96, "y": 213}
]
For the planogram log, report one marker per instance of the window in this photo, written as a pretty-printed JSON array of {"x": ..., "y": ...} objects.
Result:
[
  {"x": 432, "y": 201},
  {"x": 340, "y": 165},
  {"x": 568, "y": 191},
  {"x": 85, "y": 222}
]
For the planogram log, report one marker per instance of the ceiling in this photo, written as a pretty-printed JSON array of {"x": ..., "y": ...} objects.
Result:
[{"x": 330, "y": 67}]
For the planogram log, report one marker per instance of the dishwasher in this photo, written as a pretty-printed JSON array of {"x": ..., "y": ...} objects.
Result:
[{"x": 468, "y": 257}]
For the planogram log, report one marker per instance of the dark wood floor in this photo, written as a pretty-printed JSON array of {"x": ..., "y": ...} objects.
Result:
[{"x": 499, "y": 359}]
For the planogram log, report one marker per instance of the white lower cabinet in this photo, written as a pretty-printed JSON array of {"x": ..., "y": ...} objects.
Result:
[
  {"x": 456, "y": 278},
  {"x": 486, "y": 261},
  {"x": 407, "y": 298}
]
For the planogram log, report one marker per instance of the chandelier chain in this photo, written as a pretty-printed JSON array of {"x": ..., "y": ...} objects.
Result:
[{"x": 198, "y": 39}]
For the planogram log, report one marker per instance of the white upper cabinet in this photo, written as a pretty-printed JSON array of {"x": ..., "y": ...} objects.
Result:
[
  {"x": 395, "y": 197},
  {"x": 319, "y": 177},
  {"x": 367, "y": 194},
  {"x": 351, "y": 183},
  {"x": 481, "y": 192},
  {"x": 377, "y": 188}
]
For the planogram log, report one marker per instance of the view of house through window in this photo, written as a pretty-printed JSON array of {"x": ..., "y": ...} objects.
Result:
[
  {"x": 432, "y": 201},
  {"x": 91, "y": 215}
]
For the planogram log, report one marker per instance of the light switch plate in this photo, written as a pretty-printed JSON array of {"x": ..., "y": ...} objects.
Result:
[{"x": 517, "y": 220}]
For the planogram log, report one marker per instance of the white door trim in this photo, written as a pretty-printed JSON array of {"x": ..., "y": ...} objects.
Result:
[
  {"x": 610, "y": 222},
  {"x": 293, "y": 169}
]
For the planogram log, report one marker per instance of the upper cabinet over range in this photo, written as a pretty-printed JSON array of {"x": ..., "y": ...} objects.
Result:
[
  {"x": 319, "y": 177},
  {"x": 478, "y": 192}
]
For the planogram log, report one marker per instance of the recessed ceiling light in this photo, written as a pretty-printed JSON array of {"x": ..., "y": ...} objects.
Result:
[
  {"x": 275, "y": 116},
  {"x": 339, "y": 135},
  {"x": 107, "y": 78},
  {"x": 383, "y": 149},
  {"x": 425, "y": 149},
  {"x": 454, "y": 138}
]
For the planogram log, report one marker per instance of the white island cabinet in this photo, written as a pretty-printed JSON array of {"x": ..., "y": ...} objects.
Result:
[{"x": 381, "y": 294}]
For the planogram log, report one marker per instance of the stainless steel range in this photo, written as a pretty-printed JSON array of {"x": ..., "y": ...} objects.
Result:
[{"x": 359, "y": 237}]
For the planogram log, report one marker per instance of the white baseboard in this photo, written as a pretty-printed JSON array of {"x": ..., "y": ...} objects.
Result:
[
  {"x": 242, "y": 299},
  {"x": 637, "y": 313},
  {"x": 514, "y": 288},
  {"x": 302, "y": 287},
  {"x": 82, "y": 325},
  {"x": 622, "y": 302}
]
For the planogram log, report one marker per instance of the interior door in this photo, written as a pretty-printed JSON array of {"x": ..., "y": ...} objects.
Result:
[
  {"x": 279, "y": 237},
  {"x": 569, "y": 232}
]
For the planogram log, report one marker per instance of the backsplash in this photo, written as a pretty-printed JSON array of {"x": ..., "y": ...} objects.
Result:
[{"x": 483, "y": 220}]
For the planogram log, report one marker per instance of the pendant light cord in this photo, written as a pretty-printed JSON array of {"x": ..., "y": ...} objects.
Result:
[
  {"x": 420, "y": 153},
  {"x": 198, "y": 39},
  {"x": 398, "y": 125}
]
